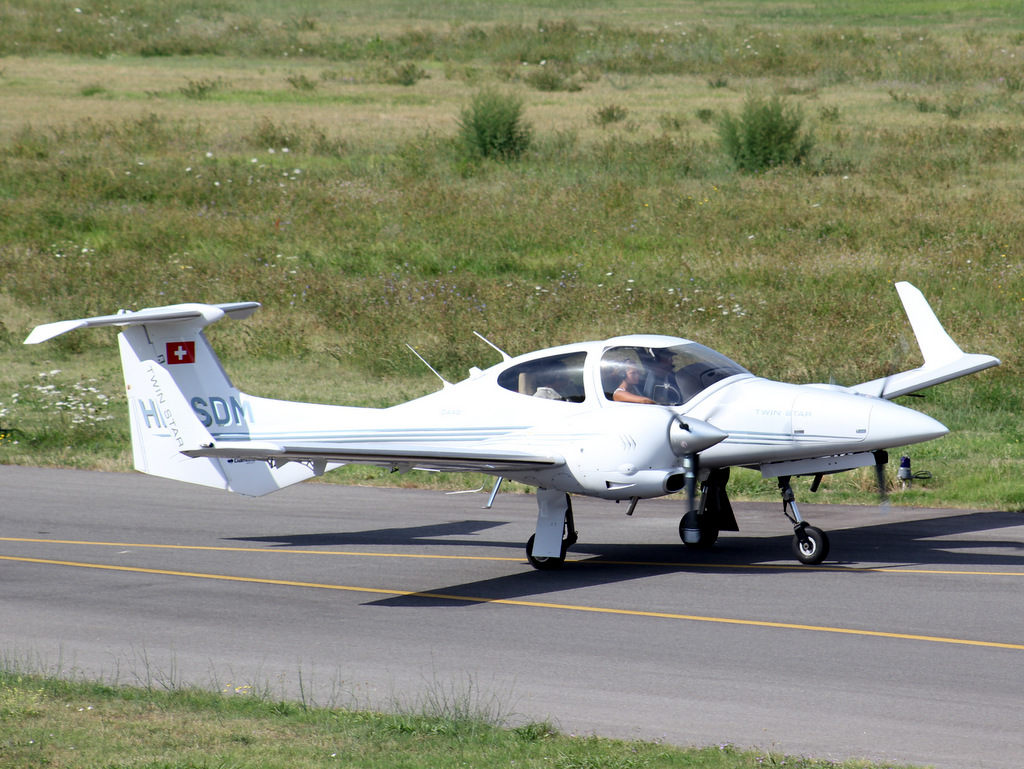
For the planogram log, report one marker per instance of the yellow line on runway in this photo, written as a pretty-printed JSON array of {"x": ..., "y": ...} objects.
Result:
[
  {"x": 580, "y": 561},
  {"x": 289, "y": 551},
  {"x": 531, "y": 604}
]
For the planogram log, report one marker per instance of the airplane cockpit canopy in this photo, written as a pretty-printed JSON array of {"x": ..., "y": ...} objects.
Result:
[{"x": 668, "y": 375}]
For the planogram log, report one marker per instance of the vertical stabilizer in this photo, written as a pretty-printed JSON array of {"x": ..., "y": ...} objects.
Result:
[
  {"x": 180, "y": 397},
  {"x": 164, "y": 422}
]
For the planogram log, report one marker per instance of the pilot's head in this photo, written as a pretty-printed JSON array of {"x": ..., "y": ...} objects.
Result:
[{"x": 663, "y": 358}]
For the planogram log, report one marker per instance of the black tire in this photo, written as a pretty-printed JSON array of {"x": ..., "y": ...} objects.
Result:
[
  {"x": 708, "y": 536},
  {"x": 812, "y": 548},
  {"x": 544, "y": 564}
]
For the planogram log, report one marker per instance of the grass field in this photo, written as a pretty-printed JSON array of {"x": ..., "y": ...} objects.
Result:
[
  {"x": 311, "y": 161},
  {"x": 71, "y": 723}
]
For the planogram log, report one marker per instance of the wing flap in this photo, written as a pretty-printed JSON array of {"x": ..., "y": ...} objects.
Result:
[{"x": 421, "y": 457}]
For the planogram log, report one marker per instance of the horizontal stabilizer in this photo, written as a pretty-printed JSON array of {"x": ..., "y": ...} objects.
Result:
[
  {"x": 204, "y": 314},
  {"x": 943, "y": 358}
]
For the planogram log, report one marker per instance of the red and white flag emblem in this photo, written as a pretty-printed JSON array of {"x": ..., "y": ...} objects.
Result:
[{"x": 181, "y": 352}]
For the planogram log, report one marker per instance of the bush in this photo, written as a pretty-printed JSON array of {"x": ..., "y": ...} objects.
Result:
[
  {"x": 493, "y": 126},
  {"x": 407, "y": 74},
  {"x": 550, "y": 79},
  {"x": 613, "y": 113},
  {"x": 766, "y": 134}
]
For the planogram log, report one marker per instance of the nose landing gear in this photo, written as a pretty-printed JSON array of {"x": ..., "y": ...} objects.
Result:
[{"x": 810, "y": 544}]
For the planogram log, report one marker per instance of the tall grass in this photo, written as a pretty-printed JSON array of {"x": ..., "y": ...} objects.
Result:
[{"x": 884, "y": 43}]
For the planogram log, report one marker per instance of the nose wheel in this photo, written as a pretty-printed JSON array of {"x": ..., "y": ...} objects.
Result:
[{"x": 810, "y": 544}]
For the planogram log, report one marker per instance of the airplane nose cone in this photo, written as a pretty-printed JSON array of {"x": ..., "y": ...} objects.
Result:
[
  {"x": 893, "y": 425},
  {"x": 691, "y": 436}
]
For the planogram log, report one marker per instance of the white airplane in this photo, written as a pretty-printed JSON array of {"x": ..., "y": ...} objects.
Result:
[{"x": 558, "y": 419}]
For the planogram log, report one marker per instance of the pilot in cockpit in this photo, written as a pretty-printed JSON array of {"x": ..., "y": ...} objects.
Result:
[
  {"x": 629, "y": 389},
  {"x": 660, "y": 385}
]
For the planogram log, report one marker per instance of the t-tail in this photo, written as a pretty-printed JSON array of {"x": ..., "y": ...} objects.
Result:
[{"x": 177, "y": 391}]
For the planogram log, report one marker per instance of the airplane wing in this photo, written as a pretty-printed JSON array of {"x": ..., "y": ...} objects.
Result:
[
  {"x": 943, "y": 358},
  {"x": 403, "y": 456}
]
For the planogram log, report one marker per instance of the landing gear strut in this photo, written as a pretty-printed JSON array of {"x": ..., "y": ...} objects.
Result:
[
  {"x": 699, "y": 528},
  {"x": 569, "y": 538},
  {"x": 810, "y": 544}
]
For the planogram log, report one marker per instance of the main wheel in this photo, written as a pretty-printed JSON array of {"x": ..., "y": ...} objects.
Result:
[
  {"x": 544, "y": 564},
  {"x": 812, "y": 548},
  {"x": 707, "y": 536}
]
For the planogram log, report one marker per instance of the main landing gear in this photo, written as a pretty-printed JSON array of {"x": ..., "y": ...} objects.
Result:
[
  {"x": 569, "y": 538},
  {"x": 810, "y": 544},
  {"x": 699, "y": 528}
]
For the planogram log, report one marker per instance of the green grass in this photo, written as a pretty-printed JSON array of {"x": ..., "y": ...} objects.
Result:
[
  {"x": 164, "y": 153},
  {"x": 46, "y": 721}
]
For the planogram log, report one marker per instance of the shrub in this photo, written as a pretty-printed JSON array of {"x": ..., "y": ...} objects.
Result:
[
  {"x": 767, "y": 133},
  {"x": 613, "y": 113},
  {"x": 200, "y": 89},
  {"x": 550, "y": 79},
  {"x": 493, "y": 126},
  {"x": 407, "y": 74},
  {"x": 301, "y": 82},
  {"x": 669, "y": 122},
  {"x": 829, "y": 114}
]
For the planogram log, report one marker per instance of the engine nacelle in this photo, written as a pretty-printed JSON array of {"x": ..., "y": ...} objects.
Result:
[
  {"x": 643, "y": 483},
  {"x": 626, "y": 451}
]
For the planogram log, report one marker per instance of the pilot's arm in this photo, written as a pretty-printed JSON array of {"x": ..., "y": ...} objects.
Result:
[{"x": 623, "y": 395}]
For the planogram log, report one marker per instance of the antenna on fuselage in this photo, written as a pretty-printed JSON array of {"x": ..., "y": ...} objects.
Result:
[
  {"x": 504, "y": 355},
  {"x": 444, "y": 381}
]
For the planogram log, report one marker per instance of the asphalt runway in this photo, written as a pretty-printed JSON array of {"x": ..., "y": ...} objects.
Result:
[{"x": 907, "y": 645}]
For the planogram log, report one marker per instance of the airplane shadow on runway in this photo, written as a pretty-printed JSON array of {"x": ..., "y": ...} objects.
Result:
[
  {"x": 435, "y": 533},
  {"x": 942, "y": 542}
]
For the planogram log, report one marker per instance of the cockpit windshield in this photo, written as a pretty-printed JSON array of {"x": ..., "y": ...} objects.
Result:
[{"x": 667, "y": 375}]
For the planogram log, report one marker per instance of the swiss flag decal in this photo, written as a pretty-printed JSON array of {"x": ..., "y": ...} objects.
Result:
[{"x": 181, "y": 352}]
